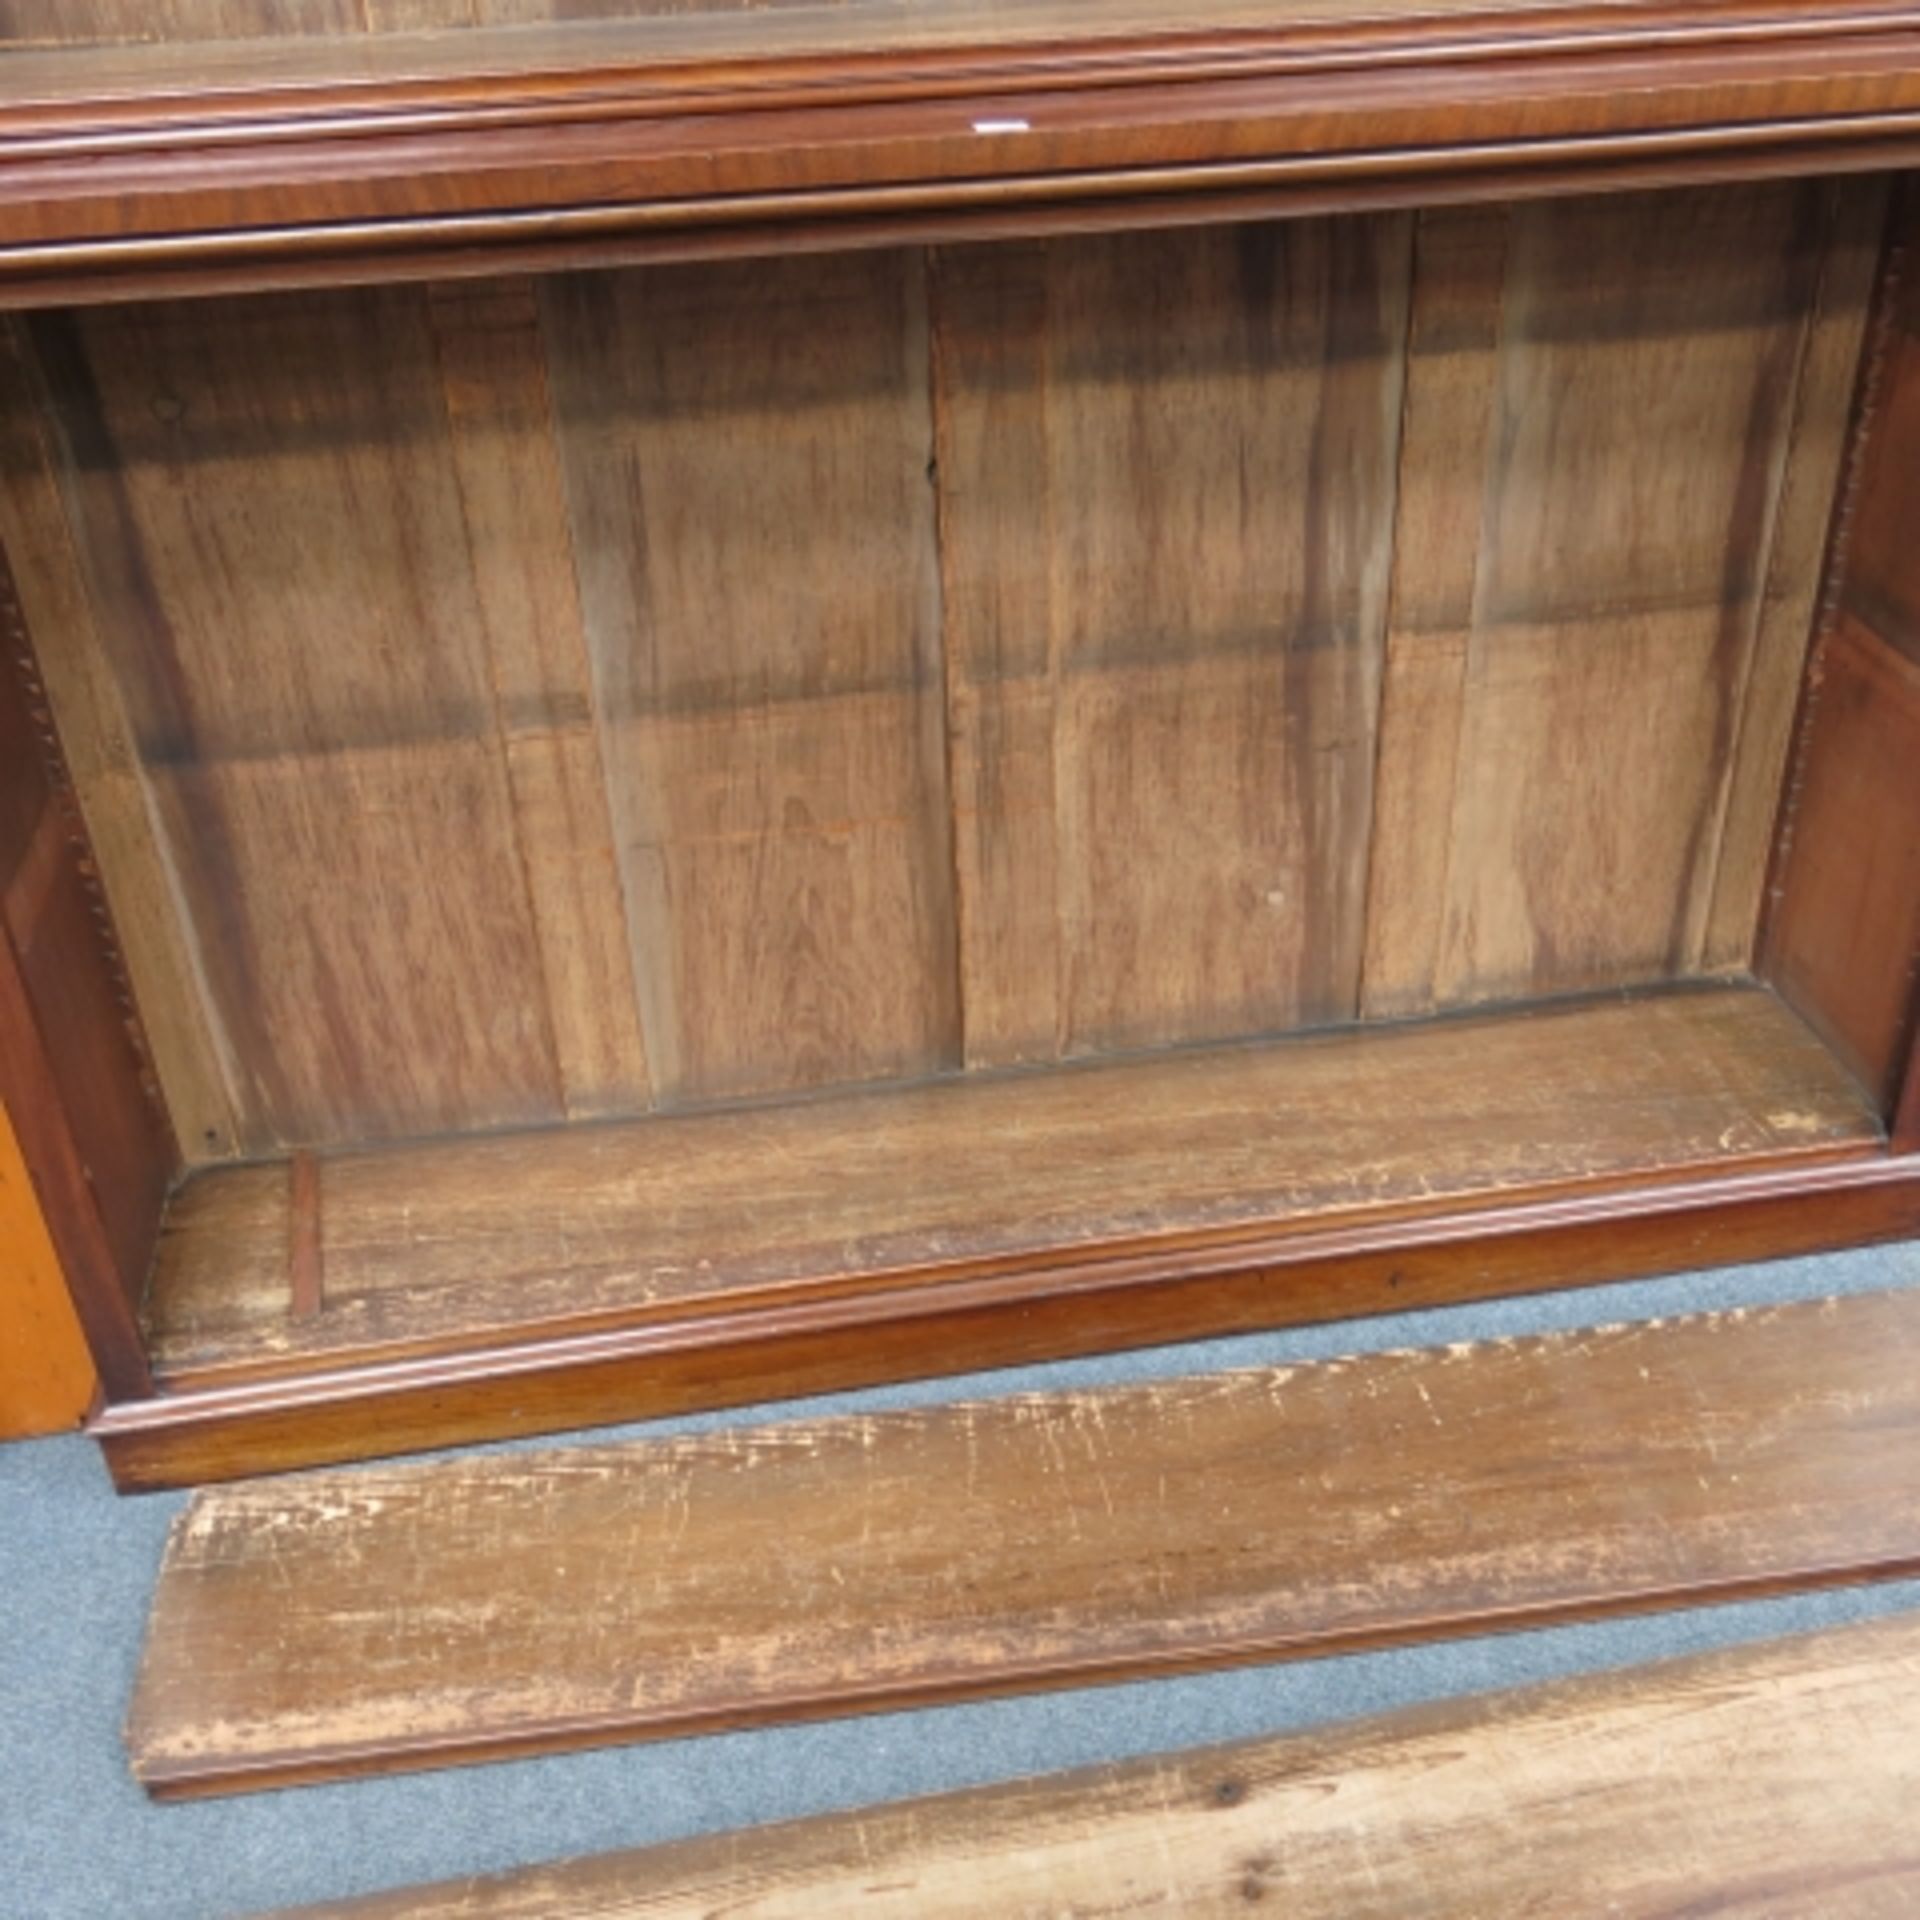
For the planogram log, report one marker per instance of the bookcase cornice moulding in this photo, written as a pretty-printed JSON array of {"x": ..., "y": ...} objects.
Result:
[{"x": 128, "y": 169}]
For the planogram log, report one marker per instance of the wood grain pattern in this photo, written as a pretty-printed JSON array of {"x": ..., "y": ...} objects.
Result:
[
  {"x": 160, "y": 943},
  {"x": 1699, "y": 1785},
  {"x": 1878, "y": 573},
  {"x": 1167, "y": 506},
  {"x": 1593, "y": 659},
  {"x": 556, "y": 1379},
  {"x": 297, "y": 635},
  {"x": 747, "y": 456},
  {"x": 75, "y": 1069},
  {"x": 1451, "y": 383},
  {"x": 46, "y": 1373},
  {"x": 844, "y": 671},
  {"x": 1805, "y": 516},
  {"x": 1842, "y": 938},
  {"x": 130, "y": 169},
  {"x": 423, "y": 655},
  {"x": 588, "y": 1595},
  {"x": 1636, "y": 469},
  {"x": 689, "y": 1214},
  {"x": 519, "y": 540}
]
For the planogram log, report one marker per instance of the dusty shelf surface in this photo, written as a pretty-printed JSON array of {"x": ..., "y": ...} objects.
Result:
[
  {"x": 418, "y": 1248},
  {"x": 415, "y": 1616}
]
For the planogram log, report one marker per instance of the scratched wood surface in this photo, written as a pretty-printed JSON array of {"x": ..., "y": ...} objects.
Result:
[
  {"x": 430, "y": 1243},
  {"x": 419, "y": 1616},
  {"x": 638, "y": 690},
  {"x": 1757, "y": 1780}
]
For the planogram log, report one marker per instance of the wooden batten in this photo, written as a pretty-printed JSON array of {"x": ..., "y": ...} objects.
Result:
[
  {"x": 1706, "y": 1784},
  {"x": 306, "y": 1255},
  {"x": 590, "y": 1595}
]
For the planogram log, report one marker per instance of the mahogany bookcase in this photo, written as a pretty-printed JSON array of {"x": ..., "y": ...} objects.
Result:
[{"x": 711, "y": 703}]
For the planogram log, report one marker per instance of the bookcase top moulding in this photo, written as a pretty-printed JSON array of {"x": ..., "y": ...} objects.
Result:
[{"x": 241, "y": 153}]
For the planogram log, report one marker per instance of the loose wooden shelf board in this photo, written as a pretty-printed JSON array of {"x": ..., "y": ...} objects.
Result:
[
  {"x": 1770, "y": 1779},
  {"x": 354, "y": 1257},
  {"x": 420, "y": 1616}
]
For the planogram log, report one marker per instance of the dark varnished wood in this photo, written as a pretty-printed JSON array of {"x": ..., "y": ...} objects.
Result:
[
  {"x": 97, "y": 48},
  {"x": 1844, "y": 940},
  {"x": 549, "y": 1385},
  {"x": 306, "y": 1256},
  {"x": 74, "y": 1073},
  {"x": 1703, "y": 1785},
  {"x": 431, "y": 960},
  {"x": 1842, "y": 936},
  {"x": 119, "y": 166},
  {"x": 597, "y": 1594}
]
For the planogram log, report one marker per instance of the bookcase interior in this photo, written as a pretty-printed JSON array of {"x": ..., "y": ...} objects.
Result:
[{"x": 631, "y": 789}]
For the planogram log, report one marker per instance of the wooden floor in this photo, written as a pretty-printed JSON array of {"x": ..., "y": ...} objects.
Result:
[
  {"x": 415, "y": 1616},
  {"x": 1779, "y": 1780},
  {"x": 406, "y": 1250}
]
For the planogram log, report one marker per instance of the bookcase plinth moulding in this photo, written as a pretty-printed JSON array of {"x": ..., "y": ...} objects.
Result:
[{"x": 713, "y": 703}]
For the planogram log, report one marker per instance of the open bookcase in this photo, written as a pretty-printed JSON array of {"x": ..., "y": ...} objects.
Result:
[{"x": 714, "y": 704}]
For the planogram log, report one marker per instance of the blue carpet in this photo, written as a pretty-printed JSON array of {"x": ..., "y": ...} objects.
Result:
[{"x": 78, "y": 1841}]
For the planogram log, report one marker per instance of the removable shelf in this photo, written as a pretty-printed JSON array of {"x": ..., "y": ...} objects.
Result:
[
  {"x": 1699, "y": 1785},
  {"x": 511, "y": 1603}
]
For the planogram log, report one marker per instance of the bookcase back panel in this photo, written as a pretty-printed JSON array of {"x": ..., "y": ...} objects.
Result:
[
  {"x": 1624, "y": 426},
  {"x": 746, "y": 455},
  {"x": 1167, "y": 478},
  {"x": 556, "y": 698}
]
